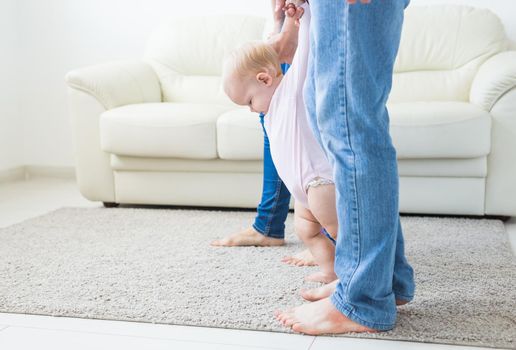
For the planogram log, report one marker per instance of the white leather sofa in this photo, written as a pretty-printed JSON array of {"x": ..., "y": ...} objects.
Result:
[{"x": 160, "y": 130}]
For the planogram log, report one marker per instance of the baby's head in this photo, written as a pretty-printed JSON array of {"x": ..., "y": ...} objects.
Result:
[{"x": 251, "y": 75}]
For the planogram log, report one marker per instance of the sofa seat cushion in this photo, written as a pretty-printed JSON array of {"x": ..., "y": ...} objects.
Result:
[
  {"x": 439, "y": 130},
  {"x": 240, "y": 135},
  {"x": 419, "y": 130},
  {"x": 171, "y": 130}
]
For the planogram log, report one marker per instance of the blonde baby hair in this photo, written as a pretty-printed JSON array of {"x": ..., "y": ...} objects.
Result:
[{"x": 251, "y": 58}]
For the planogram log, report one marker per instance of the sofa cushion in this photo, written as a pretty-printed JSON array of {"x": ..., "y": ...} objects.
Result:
[
  {"x": 239, "y": 135},
  {"x": 196, "y": 131},
  {"x": 439, "y": 130},
  {"x": 419, "y": 130},
  {"x": 172, "y": 130},
  {"x": 187, "y": 54},
  {"x": 442, "y": 49}
]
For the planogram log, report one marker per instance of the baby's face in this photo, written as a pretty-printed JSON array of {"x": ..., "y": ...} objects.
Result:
[{"x": 253, "y": 91}]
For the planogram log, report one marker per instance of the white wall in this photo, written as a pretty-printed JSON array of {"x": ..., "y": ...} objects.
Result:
[
  {"x": 11, "y": 134},
  {"x": 59, "y": 35}
]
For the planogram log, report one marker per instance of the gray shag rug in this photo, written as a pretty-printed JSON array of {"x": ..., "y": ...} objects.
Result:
[{"x": 156, "y": 265}]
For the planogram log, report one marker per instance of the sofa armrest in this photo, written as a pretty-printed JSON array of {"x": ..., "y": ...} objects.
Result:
[
  {"x": 495, "y": 78},
  {"x": 93, "y": 90},
  {"x": 117, "y": 83}
]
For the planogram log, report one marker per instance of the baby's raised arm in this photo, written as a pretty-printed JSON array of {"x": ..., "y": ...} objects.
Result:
[{"x": 285, "y": 43}]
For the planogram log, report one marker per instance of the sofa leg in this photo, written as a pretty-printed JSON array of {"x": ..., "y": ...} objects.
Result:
[
  {"x": 504, "y": 218},
  {"x": 110, "y": 204}
]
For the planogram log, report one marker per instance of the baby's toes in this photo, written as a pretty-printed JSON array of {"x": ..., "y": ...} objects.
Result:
[
  {"x": 287, "y": 260},
  {"x": 300, "y": 262}
]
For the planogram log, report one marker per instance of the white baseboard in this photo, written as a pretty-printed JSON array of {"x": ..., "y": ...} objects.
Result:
[{"x": 33, "y": 171}]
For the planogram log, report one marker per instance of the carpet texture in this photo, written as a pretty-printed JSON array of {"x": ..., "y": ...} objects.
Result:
[{"x": 156, "y": 265}]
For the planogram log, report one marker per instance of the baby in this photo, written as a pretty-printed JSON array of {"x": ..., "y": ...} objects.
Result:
[{"x": 252, "y": 77}]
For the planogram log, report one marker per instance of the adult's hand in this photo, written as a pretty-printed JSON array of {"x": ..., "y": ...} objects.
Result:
[
  {"x": 294, "y": 10},
  {"x": 278, "y": 15},
  {"x": 279, "y": 8}
]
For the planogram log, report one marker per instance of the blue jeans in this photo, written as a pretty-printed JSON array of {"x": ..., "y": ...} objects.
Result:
[
  {"x": 352, "y": 54},
  {"x": 274, "y": 205}
]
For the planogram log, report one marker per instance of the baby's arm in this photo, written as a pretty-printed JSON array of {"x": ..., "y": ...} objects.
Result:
[{"x": 285, "y": 43}]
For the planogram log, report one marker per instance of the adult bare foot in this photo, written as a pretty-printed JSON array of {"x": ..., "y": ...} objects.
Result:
[
  {"x": 320, "y": 317},
  {"x": 248, "y": 237},
  {"x": 327, "y": 290},
  {"x": 304, "y": 258},
  {"x": 321, "y": 277}
]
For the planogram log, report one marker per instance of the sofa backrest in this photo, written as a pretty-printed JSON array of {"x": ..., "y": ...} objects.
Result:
[
  {"x": 187, "y": 54},
  {"x": 442, "y": 48}
]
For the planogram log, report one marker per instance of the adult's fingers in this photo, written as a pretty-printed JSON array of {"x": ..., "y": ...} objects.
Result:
[
  {"x": 280, "y": 4},
  {"x": 292, "y": 10}
]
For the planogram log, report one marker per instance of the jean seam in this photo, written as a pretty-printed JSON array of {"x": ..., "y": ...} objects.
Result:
[
  {"x": 254, "y": 224},
  {"x": 274, "y": 206},
  {"x": 404, "y": 297},
  {"x": 356, "y": 209},
  {"x": 268, "y": 224},
  {"x": 276, "y": 199},
  {"x": 349, "y": 312}
]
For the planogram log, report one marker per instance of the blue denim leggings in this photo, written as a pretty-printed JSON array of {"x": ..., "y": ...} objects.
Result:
[{"x": 274, "y": 205}]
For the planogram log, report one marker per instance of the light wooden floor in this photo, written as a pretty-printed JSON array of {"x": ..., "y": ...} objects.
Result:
[{"x": 20, "y": 200}]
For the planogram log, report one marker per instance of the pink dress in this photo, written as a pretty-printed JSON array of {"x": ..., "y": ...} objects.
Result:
[{"x": 296, "y": 153}]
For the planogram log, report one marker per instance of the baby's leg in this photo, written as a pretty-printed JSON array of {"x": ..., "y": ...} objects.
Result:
[
  {"x": 321, "y": 199},
  {"x": 322, "y": 203},
  {"x": 308, "y": 229}
]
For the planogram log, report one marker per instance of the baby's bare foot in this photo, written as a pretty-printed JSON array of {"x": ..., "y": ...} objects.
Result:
[
  {"x": 325, "y": 291},
  {"x": 319, "y": 292},
  {"x": 303, "y": 258},
  {"x": 321, "y": 277},
  {"x": 317, "y": 318},
  {"x": 248, "y": 237}
]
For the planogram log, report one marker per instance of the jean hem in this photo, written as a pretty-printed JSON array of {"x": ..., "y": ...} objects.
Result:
[
  {"x": 403, "y": 297},
  {"x": 267, "y": 234},
  {"x": 347, "y": 311}
]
